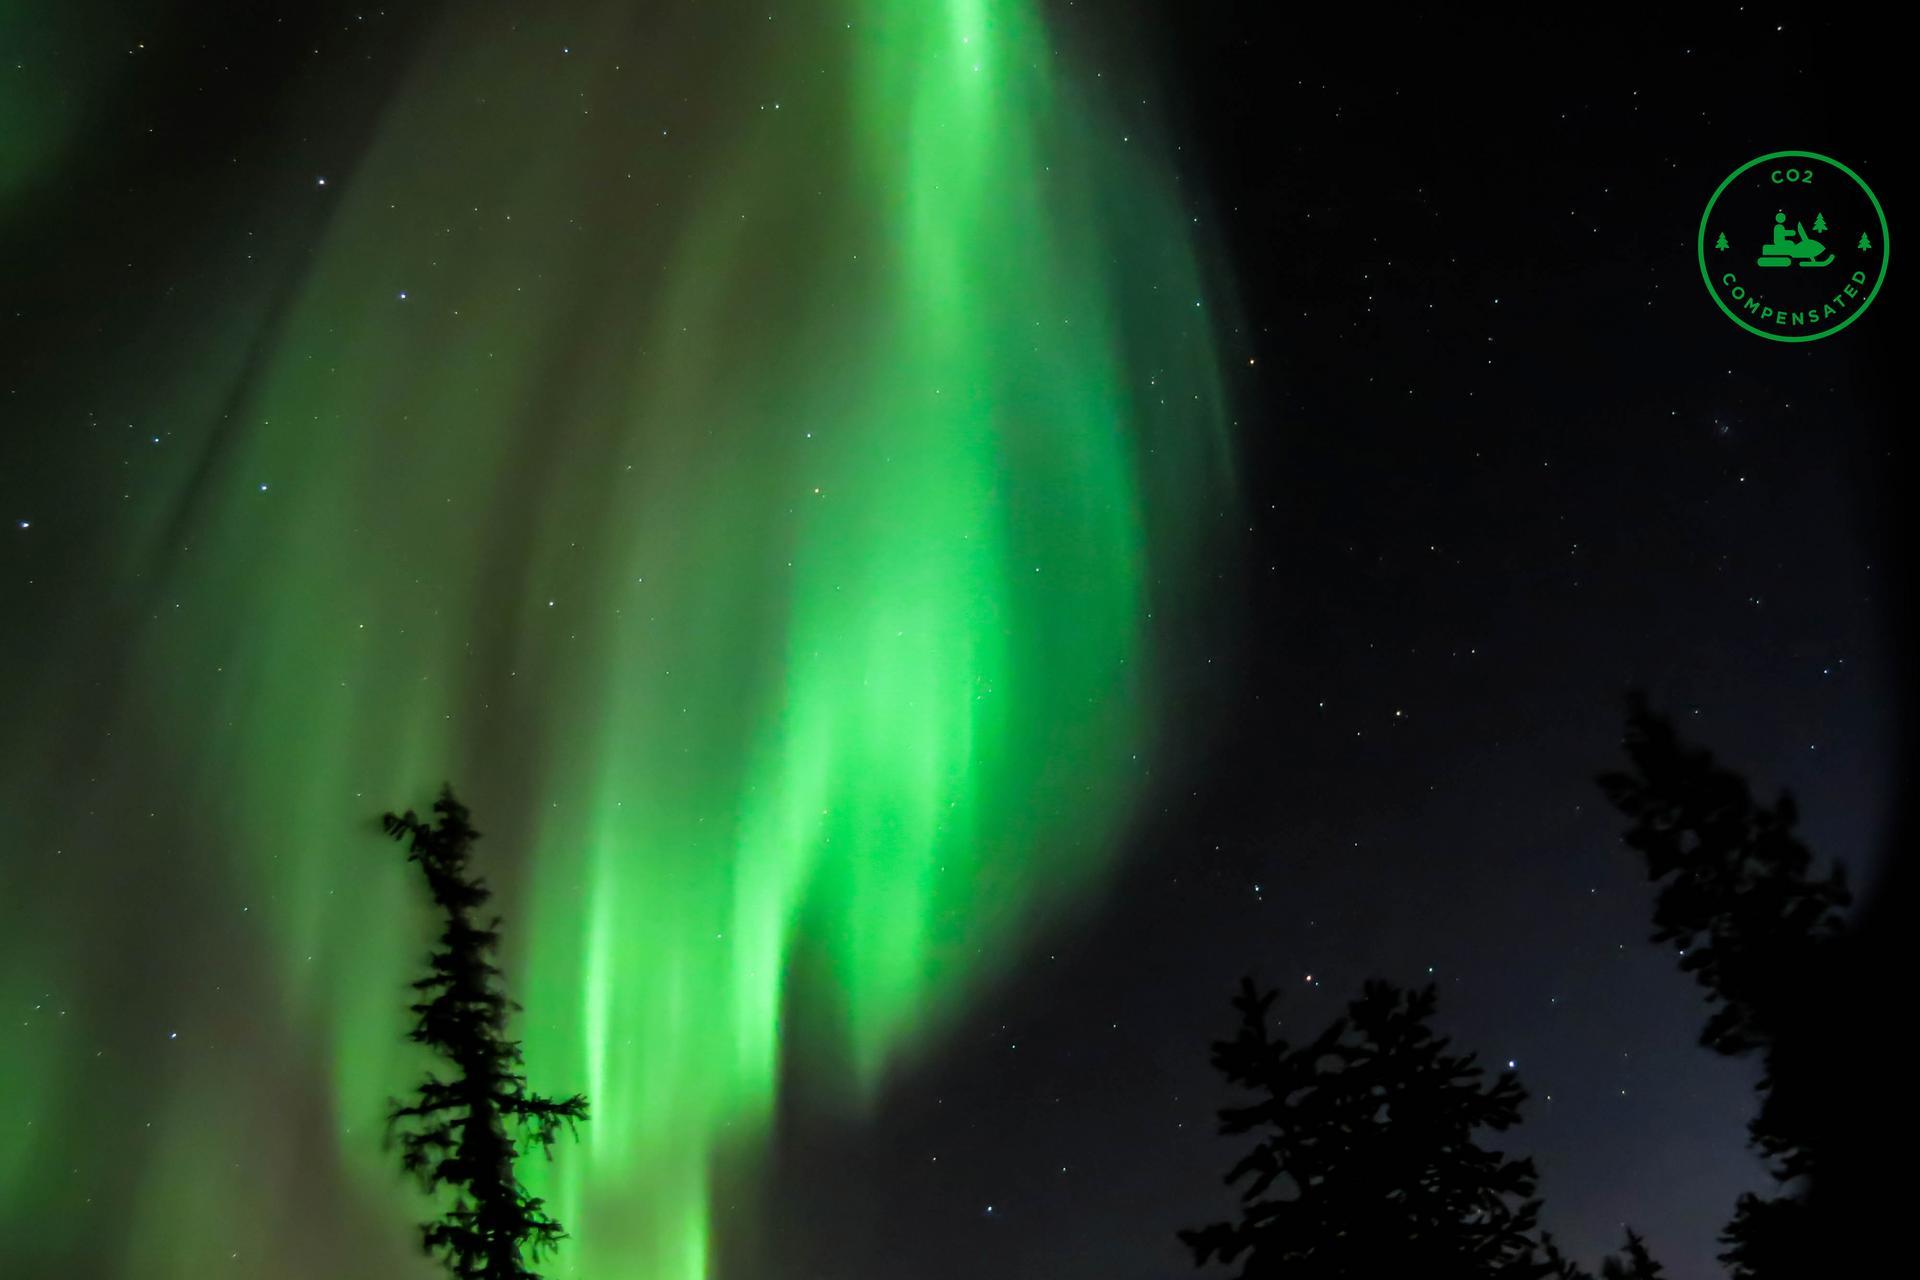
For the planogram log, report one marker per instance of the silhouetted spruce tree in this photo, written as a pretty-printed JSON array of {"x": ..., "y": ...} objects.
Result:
[
  {"x": 466, "y": 1133},
  {"x": 1765, "y": 939},
  {"x": 1636, "y": 1264},
  {"x": 1367, "y": 1163}
]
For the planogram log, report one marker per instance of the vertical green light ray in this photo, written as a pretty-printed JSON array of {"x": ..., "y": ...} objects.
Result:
[{"x": 762, "y": 528}]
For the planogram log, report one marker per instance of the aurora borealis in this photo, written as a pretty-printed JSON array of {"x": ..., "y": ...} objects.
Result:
[
  {"x": 748, "y": 454},
  {"x": 934, "y": 536}
]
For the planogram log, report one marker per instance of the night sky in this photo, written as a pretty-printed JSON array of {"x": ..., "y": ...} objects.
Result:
[{"x": 933, "y": 537}]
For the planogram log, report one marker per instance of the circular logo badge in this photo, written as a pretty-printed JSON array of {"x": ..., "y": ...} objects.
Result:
[{"x": 1793, "y": 246}]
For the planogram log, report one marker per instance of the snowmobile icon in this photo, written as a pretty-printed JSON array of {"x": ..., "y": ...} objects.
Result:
[{"x": 1785, "y": 250}]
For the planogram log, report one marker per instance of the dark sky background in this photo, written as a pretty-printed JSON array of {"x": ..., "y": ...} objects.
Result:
[{"x": 1502, "y": 458}]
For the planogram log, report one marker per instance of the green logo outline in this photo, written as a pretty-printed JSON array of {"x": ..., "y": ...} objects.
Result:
[{"x": 1706, "y": 274}]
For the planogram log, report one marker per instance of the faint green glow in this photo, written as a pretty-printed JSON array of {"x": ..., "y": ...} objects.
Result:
[
  {"x": 759, "y": 515},
  {"x": 46, "y": 67}
]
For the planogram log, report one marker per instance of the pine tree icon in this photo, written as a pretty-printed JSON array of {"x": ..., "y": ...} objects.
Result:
[
  {"x": 1721, "y": 242},
  {"x": 1819, "y": 222},
  {"x": 1865, "y": 243}
]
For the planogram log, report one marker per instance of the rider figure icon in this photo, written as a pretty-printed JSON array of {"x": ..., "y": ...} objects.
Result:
[{"x": 1786, "y": 249}]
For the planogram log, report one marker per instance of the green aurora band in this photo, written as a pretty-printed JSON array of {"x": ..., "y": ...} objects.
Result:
[{"x": 760, "y": 505}]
